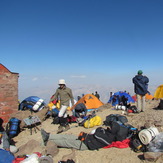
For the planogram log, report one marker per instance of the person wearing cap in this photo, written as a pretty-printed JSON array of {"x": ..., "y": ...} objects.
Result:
[
  {"x": 141, "y": 89},
  {"x": 64, "y": 94}
]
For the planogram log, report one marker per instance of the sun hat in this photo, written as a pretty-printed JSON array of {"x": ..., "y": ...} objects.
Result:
[
  {"x": 61, "y": 81},
  {"x": 140, "y": 72}
]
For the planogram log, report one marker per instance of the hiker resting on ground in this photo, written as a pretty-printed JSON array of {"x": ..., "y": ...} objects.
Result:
[
  {"x": 98, "y": 138},
  {"x": 64, "y": 94},
  {"x": 141, "y": 89},
  {"x": 4, "y": 140},
  {"x": 80, "y": 110}
]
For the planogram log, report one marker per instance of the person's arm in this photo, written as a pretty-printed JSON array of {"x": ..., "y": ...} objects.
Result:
[
  {"x": 54, "y": 97},
  {"x": 147, "y": 80},
  {"x": 85, "y": 110},
  {"x": 71, "y": 97},
  {"x": 133, "y": 80}
]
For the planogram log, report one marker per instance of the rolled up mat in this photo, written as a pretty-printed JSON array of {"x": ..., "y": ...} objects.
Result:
[
  {"x": 120, "y": 107},
  {"x": 147, "y": 135}
]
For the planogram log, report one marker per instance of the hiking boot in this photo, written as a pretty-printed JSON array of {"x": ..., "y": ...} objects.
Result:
[
  {"x": 45, "y": 136},
  {"x": 67, "y": 127},
  {"x": 60, "y": 129}
]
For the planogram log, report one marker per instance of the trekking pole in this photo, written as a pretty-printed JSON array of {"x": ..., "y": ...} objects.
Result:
[{"x": 82, "y": 139}]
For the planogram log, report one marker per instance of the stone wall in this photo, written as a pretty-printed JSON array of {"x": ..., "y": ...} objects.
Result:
[{"x": 8, "y": 93}]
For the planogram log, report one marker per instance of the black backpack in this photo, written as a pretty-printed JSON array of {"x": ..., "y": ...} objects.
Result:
[
  {"x": 160, "y": 106},
  {"x": 55, "y": 120},
  {"x": 114, "y": 118},
  {"x": 133, "y": 108},
  {"x": 136, "y": 145}
]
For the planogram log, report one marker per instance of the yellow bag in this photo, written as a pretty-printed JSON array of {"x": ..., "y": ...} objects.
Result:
[
  {"x": 95, "y": 121},
  {"x": 50, "y": 105}
]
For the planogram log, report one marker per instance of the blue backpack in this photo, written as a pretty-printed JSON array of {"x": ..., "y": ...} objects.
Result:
[
  {"x": 13, "y": 127},
  {"x": 6, "y": 156}
]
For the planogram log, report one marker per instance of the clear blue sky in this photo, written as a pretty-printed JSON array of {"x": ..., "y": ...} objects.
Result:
[{"x": 97, "y": 42}]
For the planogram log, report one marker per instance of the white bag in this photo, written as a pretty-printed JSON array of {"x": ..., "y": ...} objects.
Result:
[{"x": 31, "y": 159}]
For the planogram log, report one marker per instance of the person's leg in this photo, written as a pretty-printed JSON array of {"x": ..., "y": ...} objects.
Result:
[
  {"x": 138, "y": 102},
  {"x": 63, "y": 119},
  {"x": 68, "y": 141},
  {"x": 62, "y": 112},
  {"x": 143, "y": 103},
  {"x": 45, "y": 136}
]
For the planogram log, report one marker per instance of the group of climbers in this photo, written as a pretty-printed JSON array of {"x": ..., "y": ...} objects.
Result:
[{"x": 99, "y": 138}]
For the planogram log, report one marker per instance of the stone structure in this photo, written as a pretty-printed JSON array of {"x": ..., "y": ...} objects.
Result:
[{"x": 8, "y": 93}]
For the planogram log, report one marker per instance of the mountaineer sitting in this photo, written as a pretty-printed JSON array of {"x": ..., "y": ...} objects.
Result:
[{"x": 80, "y": 110}]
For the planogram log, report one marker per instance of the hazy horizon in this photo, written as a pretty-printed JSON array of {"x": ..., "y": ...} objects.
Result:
[{"x": 95, "y": 45}]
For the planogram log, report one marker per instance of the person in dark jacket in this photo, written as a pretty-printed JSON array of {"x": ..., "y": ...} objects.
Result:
[
  {"x": 96, "y": 139},
  {"x": 80, "y": 110},
  {"x": 141, "y": 88},
  {"x": 97, "y": 95}
]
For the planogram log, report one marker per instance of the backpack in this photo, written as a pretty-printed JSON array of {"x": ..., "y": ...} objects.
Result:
[
  {"x": 133, "y": 109},
  {"x": 122, "y": 131},
  {"x": 118, "y": 122},
  {"x": 6, "y": 156},
  {"x": 160, "y": 106},
  {"x": 71, "y": 119},
  {"x": 55, "y": 120},
  {"x": 13, "y": 127},
  {"x": 113, "y": 118},
  {"x": 94, "y": 121},
  {"x": 136, "y": 145}
]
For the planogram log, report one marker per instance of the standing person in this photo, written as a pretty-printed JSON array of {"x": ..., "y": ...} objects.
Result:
[
  {"x": 140, "y": 88},
  {"x": 64, "y": 94},
  {"x": 97, "y": 95},
  {"x": 78, "y": 98}
]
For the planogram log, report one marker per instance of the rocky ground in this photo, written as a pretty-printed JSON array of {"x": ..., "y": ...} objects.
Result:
[{"x": 151, "y": 117}]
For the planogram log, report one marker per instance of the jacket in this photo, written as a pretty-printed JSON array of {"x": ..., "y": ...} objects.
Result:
[
  {"x": 101, "y": 138},
  {"x": 104, "y": 137},
  {"x": 64, "y": 95},
  {"x": 80, "y": 108},
  {"x": 140, "y": 84}
]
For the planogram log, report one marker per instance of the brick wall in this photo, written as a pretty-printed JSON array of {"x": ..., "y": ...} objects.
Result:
[{"x": 8, "y": 93}]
